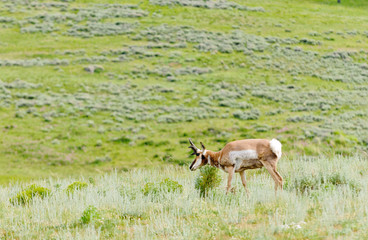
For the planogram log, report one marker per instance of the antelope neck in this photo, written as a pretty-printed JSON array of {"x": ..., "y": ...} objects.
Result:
[{"x": 213, "y": 158}]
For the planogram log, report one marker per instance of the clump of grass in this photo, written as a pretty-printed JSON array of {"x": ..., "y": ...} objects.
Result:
[
  {"x": 207, "y": 179},
  {"x": 166, "y": 185},
  {"x": 29, "y": 193},
  {"x": 90, "y": 214},
  {"x": 76, "y": 186}
]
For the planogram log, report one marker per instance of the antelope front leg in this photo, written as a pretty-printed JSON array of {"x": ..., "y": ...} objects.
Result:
[{"x": 231, "y": 171}]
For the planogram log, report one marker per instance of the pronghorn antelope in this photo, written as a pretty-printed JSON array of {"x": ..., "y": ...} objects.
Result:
[{"x": 239, "y": 156}]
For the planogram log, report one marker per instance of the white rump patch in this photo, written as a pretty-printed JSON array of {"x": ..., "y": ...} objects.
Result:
[
  {"x": 243, "y": 155},
  {"x": 275, "y": 146}
]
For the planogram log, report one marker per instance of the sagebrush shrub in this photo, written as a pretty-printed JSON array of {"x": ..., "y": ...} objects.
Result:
[
  {"x": 207, "y": 179},
  {"x": 29, "y": 193},
  {"x": 247, "y": 115},
  {"x": 93, "y": 29}
]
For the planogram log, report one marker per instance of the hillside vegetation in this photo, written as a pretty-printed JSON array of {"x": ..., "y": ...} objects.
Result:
[
  {"x": 329, "y": 201},
  {"x": 87, "y": 86}
]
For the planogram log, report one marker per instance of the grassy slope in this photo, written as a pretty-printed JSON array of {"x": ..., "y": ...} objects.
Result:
[{"x": 28, "y": 152}]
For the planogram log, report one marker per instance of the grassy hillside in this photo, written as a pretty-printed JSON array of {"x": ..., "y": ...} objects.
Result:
[
  {"x": 326, "y": 202},
  {"x": 86, "y": 88}
]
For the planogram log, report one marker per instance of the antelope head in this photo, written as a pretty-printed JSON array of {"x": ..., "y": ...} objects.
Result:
[{"x": 200, "y": 159}]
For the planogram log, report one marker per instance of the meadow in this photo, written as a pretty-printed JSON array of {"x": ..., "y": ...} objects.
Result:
[{"x": 105, "y": 94}]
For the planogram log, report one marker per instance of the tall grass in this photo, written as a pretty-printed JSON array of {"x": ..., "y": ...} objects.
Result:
[{"x": 116, "y": 207}]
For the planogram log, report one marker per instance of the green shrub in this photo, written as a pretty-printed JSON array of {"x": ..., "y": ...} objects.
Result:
[
  {"x": 89, "y": 215},
  {"x": 76, "y": 186},
  {"x": 207, "y": 179},
  {"x": 166, "y": 185},
  {"x": 29, "y": 193}
]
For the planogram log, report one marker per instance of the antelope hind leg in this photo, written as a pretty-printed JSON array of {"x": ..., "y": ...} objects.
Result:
[{"x": 270, "y": 169}]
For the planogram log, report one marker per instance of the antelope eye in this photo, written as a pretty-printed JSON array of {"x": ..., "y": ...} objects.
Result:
[{"x": 197, "y": 154}]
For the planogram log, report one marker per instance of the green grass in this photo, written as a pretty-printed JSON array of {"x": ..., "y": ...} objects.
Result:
[
  {"x": 32, "y": 148},
  {"x": 323, "y": 198}
]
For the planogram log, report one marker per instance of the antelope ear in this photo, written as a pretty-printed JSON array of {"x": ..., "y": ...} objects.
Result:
[{"x": 203, "y": 146}]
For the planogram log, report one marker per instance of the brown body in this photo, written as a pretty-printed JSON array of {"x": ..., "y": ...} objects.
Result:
[{"x": 241, "y": 155}]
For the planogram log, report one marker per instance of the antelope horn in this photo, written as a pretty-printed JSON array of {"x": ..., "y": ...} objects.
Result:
[
  {"x": 203, "y": 146},
  {"x": 192, "y": 146}
]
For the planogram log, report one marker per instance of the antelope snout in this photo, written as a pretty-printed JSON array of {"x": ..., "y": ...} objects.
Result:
[{"x": 192, "y": 168}]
